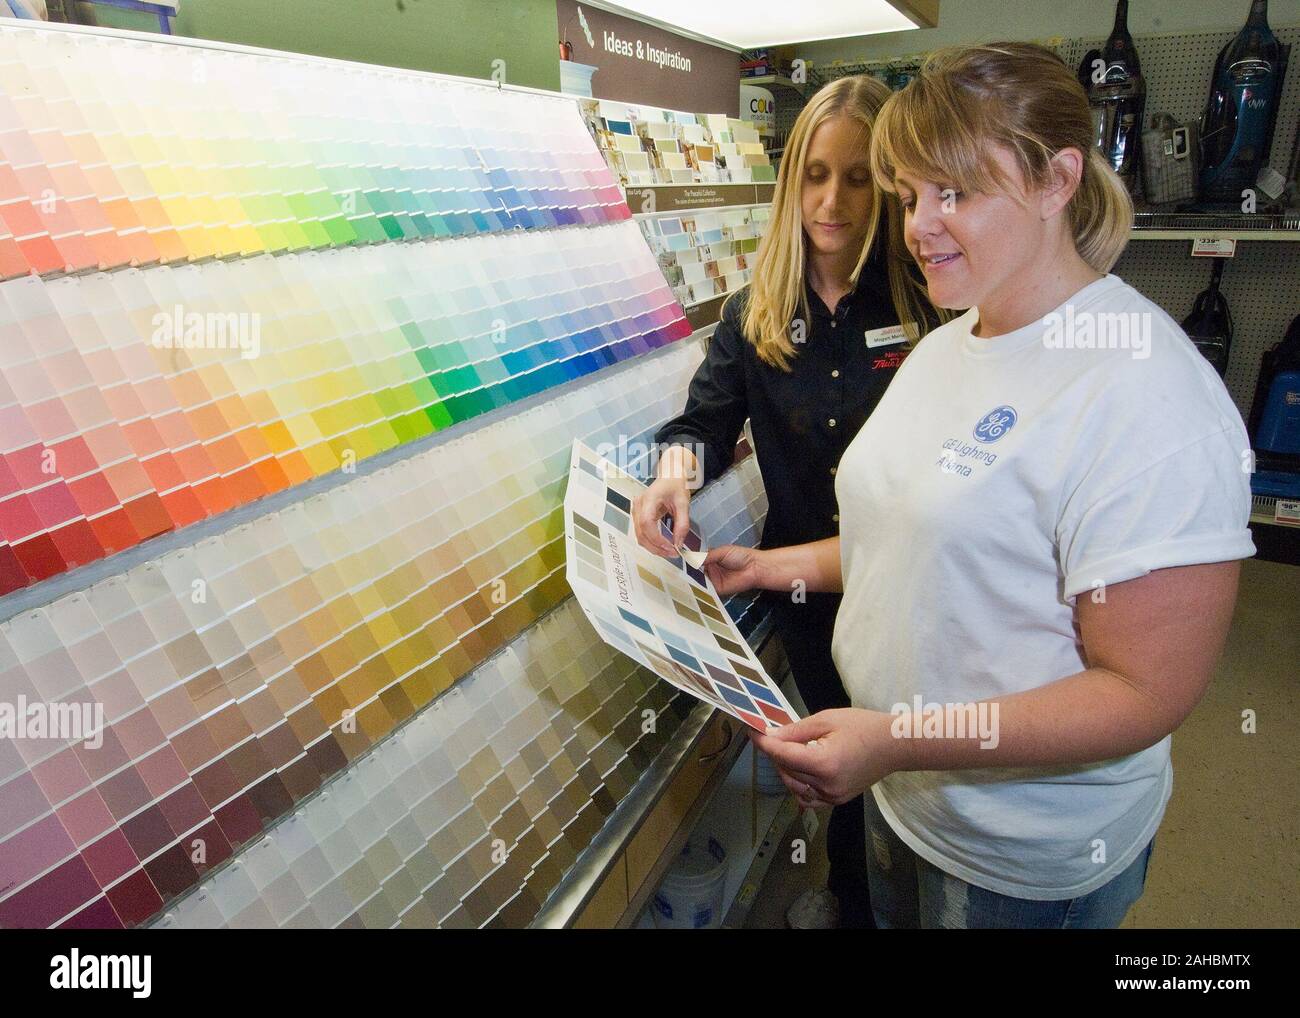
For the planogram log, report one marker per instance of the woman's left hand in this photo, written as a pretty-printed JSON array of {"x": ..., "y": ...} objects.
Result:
[{"x": 833, "y": 756}]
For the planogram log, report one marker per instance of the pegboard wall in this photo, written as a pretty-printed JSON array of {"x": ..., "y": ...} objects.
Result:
[
  {"x": 907, "y": 64},
  {"x": 1262, "y": 283},
  {"x": 789, "y": 103}
]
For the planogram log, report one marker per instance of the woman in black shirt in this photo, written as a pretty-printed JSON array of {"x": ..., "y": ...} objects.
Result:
[{"x": 805, "y": 353}]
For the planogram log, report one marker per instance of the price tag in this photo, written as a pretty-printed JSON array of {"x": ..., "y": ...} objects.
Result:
[
  {"x": 1214, "y": 247},
  {"x": 1287, "y": 511}
]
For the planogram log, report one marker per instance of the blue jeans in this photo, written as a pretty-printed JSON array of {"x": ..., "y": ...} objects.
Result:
[{"x": 909, "y": 893}]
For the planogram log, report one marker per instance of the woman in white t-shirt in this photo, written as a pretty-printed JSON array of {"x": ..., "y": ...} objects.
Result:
[{"x": 1039, "y": 528}]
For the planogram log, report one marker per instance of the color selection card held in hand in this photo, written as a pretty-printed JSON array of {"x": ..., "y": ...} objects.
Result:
[{"x": 661, "y": 612}]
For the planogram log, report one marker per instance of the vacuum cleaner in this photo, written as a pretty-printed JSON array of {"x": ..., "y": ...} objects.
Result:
[
  {"x": 1245, "y": 93},
  {"x": 1275, "y": 419},
  {"x": 1117, "y": 95},
  {"x": 1209, "y": 325}
]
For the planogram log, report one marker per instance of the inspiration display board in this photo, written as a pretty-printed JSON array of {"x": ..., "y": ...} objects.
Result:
[
  {"x": 252, "y": 529},
  {"x": 663, "y": 613},
  {"x": 648, "y": 145},
  {"x": 709, "y": 253}
]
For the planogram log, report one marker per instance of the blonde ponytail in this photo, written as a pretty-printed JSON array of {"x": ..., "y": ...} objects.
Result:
[{"x": 1101, "y": 214}]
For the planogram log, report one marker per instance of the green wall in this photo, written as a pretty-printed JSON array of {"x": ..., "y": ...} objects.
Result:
[{"x": 451, "y": 36}]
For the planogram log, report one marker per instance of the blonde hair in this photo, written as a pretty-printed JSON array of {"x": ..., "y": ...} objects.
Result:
[
  {"x": 1016, "y": 94},
  {"x": 776, "y": 290}
]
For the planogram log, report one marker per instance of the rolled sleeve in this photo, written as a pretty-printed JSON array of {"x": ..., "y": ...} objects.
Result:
[{"x": 1189, "y": 508}]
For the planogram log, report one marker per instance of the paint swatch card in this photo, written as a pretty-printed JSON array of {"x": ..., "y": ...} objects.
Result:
[{"x": 663, "y": 613}]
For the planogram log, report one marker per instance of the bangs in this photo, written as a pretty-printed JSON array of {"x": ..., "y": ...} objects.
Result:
[
  {"x": 940, "y": 134},
  {"x": 971, "y": 105}
]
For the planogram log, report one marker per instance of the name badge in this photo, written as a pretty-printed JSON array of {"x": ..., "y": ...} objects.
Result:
[{"x": 888, "y": 336}]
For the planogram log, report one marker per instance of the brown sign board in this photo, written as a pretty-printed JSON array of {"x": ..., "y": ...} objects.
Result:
[{"x": 642, "y": 64}]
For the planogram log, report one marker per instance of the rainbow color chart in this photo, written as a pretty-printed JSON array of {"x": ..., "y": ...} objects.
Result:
[
  {"x": 108, "y": 437},
  {"x": 138, "y": 401},
  {"x": 119, "y": 152}
]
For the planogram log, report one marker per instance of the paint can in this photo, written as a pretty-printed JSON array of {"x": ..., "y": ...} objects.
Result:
[{"x": 690, "y": 897}]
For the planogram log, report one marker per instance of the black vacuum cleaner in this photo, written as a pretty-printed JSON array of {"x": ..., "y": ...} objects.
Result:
[{"x": 1209, "y": 325}]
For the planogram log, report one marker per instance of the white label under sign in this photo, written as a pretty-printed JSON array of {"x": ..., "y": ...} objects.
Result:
[
  {"x": 1214, "y": 247},
  {"x": 890, "y": 335},
  {"x": 1287, "y": 511},
  {"x": 1271, "y": 182}
]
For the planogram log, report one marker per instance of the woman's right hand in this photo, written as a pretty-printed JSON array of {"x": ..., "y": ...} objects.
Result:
[
  {"x": 732, "y": 568},
  {"x": 667, "y": 496}
]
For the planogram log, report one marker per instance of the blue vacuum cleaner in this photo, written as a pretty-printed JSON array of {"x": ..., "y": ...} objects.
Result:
[{"x": 1275, "y": 419}]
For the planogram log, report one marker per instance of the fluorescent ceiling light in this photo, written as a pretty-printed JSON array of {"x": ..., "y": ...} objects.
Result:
[{"x": 750, "y": 23}]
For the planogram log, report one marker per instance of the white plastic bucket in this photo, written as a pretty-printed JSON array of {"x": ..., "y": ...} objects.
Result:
[{"x": 690, "y": 897}]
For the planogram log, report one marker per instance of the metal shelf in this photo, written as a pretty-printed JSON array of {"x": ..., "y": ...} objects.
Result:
[
  {"x": 1262, "y": 510},
  {"x": 1195, "y": 225},
  {"x": 1254, "y": 235},
  {"x": 775, "y": 81},
  {"x": 1269, "y": 521}
]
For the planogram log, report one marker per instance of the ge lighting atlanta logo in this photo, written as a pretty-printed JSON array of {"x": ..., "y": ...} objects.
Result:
[{"x": 994, "y": 424}]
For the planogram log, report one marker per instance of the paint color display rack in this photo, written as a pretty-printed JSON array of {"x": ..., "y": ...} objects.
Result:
[
  {"x": 159, "y": 384},
  {"x": 311, "y": 574},
  {"x": 557, "y": 719},
  {"x": 646, "y": 145},
  {"x": 706, "y": 254},
  {"x": 230, "y": 710},
  {"x": 112, "y": 436},
  {"x": 140, "y": 153}
]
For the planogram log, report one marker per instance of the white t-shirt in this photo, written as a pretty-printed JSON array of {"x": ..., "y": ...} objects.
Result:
[{"x": 997, "y": 479}]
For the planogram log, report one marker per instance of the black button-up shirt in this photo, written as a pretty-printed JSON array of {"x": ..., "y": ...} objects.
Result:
[{"x": 802, "y": 420}]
